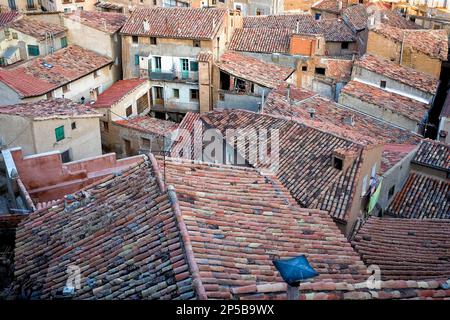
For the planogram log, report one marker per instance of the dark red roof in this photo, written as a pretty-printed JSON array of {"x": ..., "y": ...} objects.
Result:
[
  {"x": 116, "y": 92},
  {"x": 7, "y": 17}
]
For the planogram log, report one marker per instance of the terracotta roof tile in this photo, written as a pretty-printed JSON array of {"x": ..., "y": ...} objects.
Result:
[
  {"x": 110, "y": 22},
  {"x": 148, "y": 124},
  {"x": 41, "y": 75},
  {"x": 7, "y": 17},
  {"x": 265, "y": 40},
  {"x": 36, "y": 28},
  {"x": 430, "y": 42},
  {"x": 393, "y": 153},
  {"x": 184, "y": 23},
  {"x": 422, "y": 197},
  {"x": 301, "y": 23},
  {"x": 336, "y": 119},
  {"x": 263, "y": 73},
  {"x": 335, "y": 30},
  {"x": 391, "y": 18},
  {"x": 50, "y": 109},
  {"x": 330, "y": 6},
  {"x": 433, "y": 153},
  {"x": 214, "y": 228},
  {"x": 356, "y": 16},
  {"x": 408, "y": 76},
  {"x": 396, "y": 103},
  {"x": 117, "y": 92},
  {"x": 406, "y": 249}
]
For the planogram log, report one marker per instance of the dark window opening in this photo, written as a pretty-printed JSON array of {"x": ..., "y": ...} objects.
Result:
[
  {"x": 105, "y": 126},
  {"x": 176, "y": 93},
  {"x": 304, "y": 68},
  {"x": 383, "y": 84},
  {"x": 153, "y": 40},
  {"x": 196, "y": 43},
  {"x": 74, "y": 125},
  {"x": 344, "y": 45},
  {"x": 135, "y": 39},
  {"x": 317, "y": 16},
  {"x": 194, "y": 94},
  {"x": 160, "y": 115},
  {"x": 337, "y": 163},
  {"x": 129, "y": 111},
  {"x": 224, "y": 81},
  {"x": 65, "y": 156},
  {"x": 320, "y": 71},
  {"x": 391, "y": 192},
  {"x": 240, "y": 85}
]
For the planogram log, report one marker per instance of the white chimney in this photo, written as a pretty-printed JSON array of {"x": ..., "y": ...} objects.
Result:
[
  {"x": 146, "y": 25},
  {"x": 339, "y": 5}
]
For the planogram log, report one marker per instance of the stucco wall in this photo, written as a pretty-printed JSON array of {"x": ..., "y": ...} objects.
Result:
[
  {"x": 7, "y": 95},
  {"x": 17, "y": 132}
]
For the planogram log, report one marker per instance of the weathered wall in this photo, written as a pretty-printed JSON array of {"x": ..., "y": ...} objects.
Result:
[{"x": 17, "y": 132}]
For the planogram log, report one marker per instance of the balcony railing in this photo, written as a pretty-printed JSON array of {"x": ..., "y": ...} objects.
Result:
[{"x": 170, "y": 75}]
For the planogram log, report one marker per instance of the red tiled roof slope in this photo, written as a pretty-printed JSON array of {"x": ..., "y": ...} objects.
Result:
[
  {"x": 34, "y": 78},
  {"x": 356, "y": 16},
  {"x": 422, "y": 197},
  {"x": 117, "y": 92},
  {"x": 433, "y": 153},
  {"x": 7, "y": 17},
  {"x": 148, "y": 125},
  {"x": 109, "y": 22},
  {"x": 396, "y": 103},
  {"x": 265, "y": 40},
  {"x": 330, "y": 6},
  {"x": 408, "y": 76},
  {"x": 57, "y": 108},
  {"x": 183, "y": 23},
  {"x": 36, "y": 28},
  {"x": 263, "y": 73},
  {"x": 301, "y": 23},
  {"x": 406, "y": 249}
]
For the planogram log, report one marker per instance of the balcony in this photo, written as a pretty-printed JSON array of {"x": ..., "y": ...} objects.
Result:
[{"x": 170, "y": 75}]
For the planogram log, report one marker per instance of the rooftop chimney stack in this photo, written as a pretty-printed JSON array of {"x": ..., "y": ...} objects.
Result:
[{"x": 311, "y": 112}]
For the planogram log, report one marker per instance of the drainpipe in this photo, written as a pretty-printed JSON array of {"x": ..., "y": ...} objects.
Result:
[{"x": 401, "y": 48}]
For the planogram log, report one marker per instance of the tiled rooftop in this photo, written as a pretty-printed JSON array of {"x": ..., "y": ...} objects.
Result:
[
  {"x": 41, "y": 75},
  {"x": 148, "y": 125},
  {"x": 330, "y": 6},
  {"x": 422, "y": 197},
  {"x": 433, "y": 153},
  {"x": 335, "y": 30},
  {"x": 264, "y": 40},
  {"x": 356, "y": 16},
  {"x": 36, "y": 28},
  {"x": 408, "y": 76},
  {"x": 391, "y": 18},
  {"x": 335, "y": 118},
  {"x": 391, "y": 289},
  {"x": 7, "y": 17},
  {"x": 406, "y": 249},
  {"x": 396, "y": 103},
  {"x": 301, "y": 23},
  {"x": 184, "y": 23},
  {"x": 50, "y": 109},
  {"x": 263, "y": 73},
  {"x": 305, "y": 167},
  {"x": 117, "y": 92},
  {"x": 393, "y": 153},
  {"x": 430, "y": 42},
  {"x": 219, "y": 229},
  {"x": 109, "y": 22}
]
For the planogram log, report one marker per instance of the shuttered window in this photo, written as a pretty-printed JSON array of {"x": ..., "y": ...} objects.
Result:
[
  {"x": 33, "y": 50},
  {"x": 194, "y": 66},
  {"x": 59, "y": 133}
]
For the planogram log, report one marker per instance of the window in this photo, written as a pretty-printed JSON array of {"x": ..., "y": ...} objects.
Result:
[
  {"x": 157, "y": 64},
  {"x": 65, "y": 156},
  {"x": 74, "y": 125},
  {"x": 382, "y": 84},
  {"x": 337, "y": 163},
  {"x": 258, "y": 12},
  {"x": 154, "y": 2},
  {"x": 320, "y": 71},
  {"x": 63, "y": 42},
  {"x": 184, "y": 68},
  {"x": 153, "y": 40},
  {"x": 361, "y": 1},
  {"x": 176, "y": 93},
  {"x": 145, "y": 143},
  {"x": 49, "y": 95},
  {"x": 33, "y": 50},
  {"x": 136, "y": 59},
  {"x": 193, "y": 65},
  {"x": 15, "y": 35},
  {"x": 391, "y": 192},
  {"x": 65, "y": 88},
  {"x": 194, "y": 94},
  {"x": 105, "y": 126},
  {"x": 135, "y": 39},
  {"x": 317, "y": 16},
  {"x": 344, "y": 45},
  {"x": 96, "y": 74},
  {"x": 304, "y": 68},
  {"x": 129, "y": 111},
  {"x": 59, "y": 133},
  {"x": 196, "y": 43}
]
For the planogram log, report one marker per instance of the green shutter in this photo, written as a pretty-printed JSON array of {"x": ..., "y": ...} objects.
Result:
[
  {"x": 194, "y": 66},
  {"x": 33, "y": 50},
  {"x": 136, "y": 59},
  {"x": 59, "y": 133},
  {"x": 63, "y": 42}
]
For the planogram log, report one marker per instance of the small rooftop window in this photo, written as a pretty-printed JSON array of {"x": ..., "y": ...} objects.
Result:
[{"x": 337, "y": 163}]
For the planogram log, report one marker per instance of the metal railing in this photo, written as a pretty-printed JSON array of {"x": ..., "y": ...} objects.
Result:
[{"x": 170, "y": 75}]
